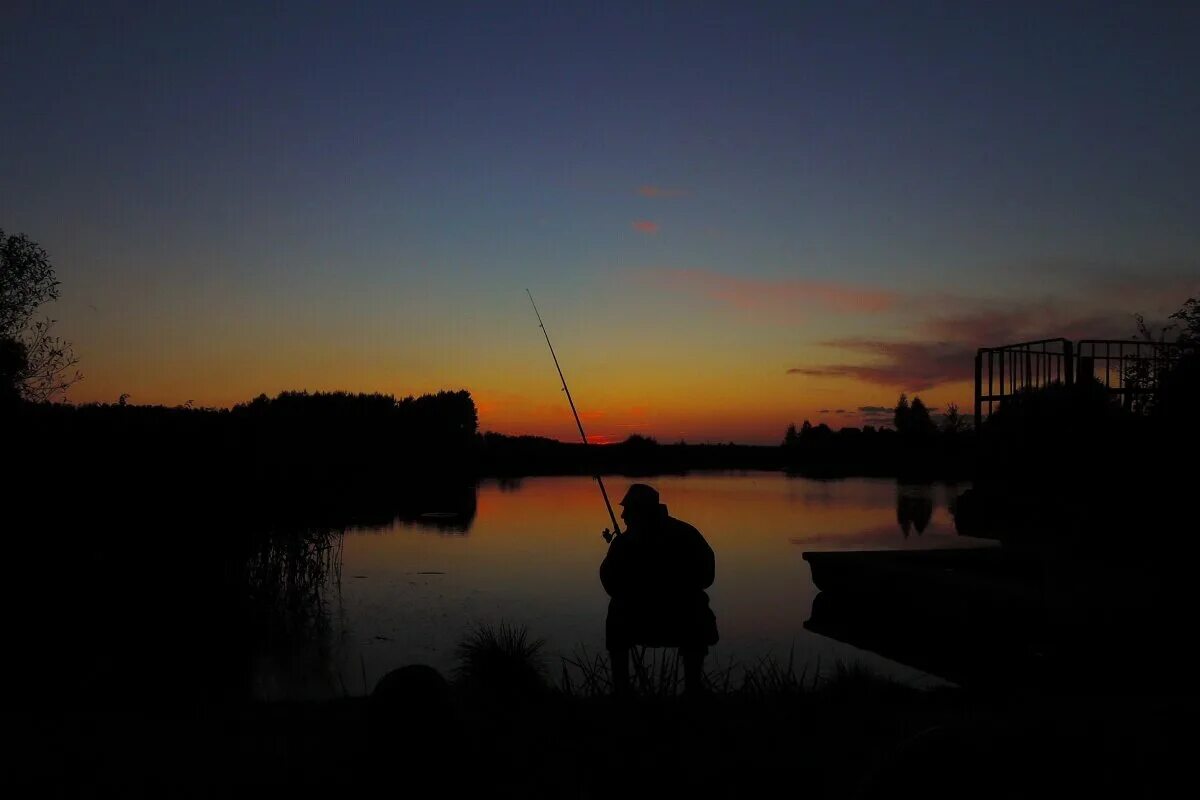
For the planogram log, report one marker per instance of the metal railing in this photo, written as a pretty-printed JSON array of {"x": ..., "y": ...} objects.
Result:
[
  {"x": 1127, "y": 368},
  {"x": 1002, "y": 371}
]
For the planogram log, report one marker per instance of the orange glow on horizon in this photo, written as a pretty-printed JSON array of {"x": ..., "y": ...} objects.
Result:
[
  {"x": 601, "y": 439},
  {"x": 719, "y": 384},
  {"x": 750, "y": 422},
  {"x": 760, "y": 415}
]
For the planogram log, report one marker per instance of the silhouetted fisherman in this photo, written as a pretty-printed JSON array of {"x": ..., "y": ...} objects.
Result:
[{"x": 656, "y": 573}]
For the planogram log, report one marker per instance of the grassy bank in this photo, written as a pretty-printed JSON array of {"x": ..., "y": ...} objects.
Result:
[{"x": 506, "y": 723}]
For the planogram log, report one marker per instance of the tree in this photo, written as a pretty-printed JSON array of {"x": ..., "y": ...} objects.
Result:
[
  {"x": 34, "y": 364},
  {"x": 1189, "y": 321},
  {"x": 791, "y": 438},
  {"x": 12, "y": 364},
  {"x": 953, "y": 422},
  {"x": 919, "y": 421},
  {"x": 912, "y": 419},
  {"x": 1178, "y": 392},
  {"x": 638, "y": 440},
  {"x": 901, "y": 414},
  {"x": 1173, "y": 369}
]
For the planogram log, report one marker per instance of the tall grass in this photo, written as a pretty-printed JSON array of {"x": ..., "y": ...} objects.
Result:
[
  {"x": 501, "y": 660},
  {"x": 287, "y": 573},
  {"x": 770, "y": 678},
  {"x": 285, "y": 578},
  {"x": 655, "y": 673},
  {"x": 658, "y": 673}
]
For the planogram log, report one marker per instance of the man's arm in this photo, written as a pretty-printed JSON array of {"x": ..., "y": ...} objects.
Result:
[{"x": 615, "y": 569}]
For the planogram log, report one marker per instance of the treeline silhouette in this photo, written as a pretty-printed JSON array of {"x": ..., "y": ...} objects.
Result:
[
  {"x": 302, "y": 451},
  {"x": 916, "y": 448},
  {"x": 336, "y": 439},
  {"x": 323, "y": 445},
  {"x": 514, "y": 456}
]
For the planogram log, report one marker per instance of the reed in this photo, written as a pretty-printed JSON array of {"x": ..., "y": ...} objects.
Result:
[
  {"x": 657, "y": 674},
  {"x": 501, "y": 659},
  {"x": 770, "y": 678}
]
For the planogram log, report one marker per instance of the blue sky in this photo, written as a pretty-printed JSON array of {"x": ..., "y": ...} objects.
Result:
[{"x": 252, "y": 197}]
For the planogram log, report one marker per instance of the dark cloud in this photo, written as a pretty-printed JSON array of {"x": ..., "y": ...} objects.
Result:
[
  {"x": 948, "y": 355},
  {"x": 939, "y": 346},
  {"x": 990, "y": 328},
  {"x": 912, "y": 366}
]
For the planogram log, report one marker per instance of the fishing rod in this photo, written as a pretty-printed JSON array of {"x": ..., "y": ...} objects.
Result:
[{"x": 616, "y": 531}]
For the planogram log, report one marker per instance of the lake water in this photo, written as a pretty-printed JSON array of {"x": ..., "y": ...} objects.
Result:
[{"x": 407, "y": 592}]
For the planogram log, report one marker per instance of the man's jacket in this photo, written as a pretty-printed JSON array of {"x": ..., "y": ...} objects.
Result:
[{"x": 656, "y": 577}]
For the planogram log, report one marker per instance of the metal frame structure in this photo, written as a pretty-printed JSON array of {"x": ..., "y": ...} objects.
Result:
[{"x": 1127, "y": 368}]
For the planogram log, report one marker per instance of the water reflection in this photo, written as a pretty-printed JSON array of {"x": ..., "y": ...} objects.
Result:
[
  {"x": 291, "y": 578},
  {"x": 450, "y": 522},
  {"x": 914, "y": 507},
  {"x": 448, "y": 509},
  {"x": 534, "y": 550}
]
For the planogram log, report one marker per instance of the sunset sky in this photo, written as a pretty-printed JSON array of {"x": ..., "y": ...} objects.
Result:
[{"x": 732, "y": 215}]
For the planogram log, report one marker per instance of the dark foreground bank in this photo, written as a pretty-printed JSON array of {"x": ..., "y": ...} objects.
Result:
[{"x": 509, "y": 732}]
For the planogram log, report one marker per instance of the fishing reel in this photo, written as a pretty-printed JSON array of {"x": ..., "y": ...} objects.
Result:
[{"x": 608, "y": 535}]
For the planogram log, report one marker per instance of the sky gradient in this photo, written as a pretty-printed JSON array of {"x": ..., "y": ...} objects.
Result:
[{"x": 732, "y": 218}]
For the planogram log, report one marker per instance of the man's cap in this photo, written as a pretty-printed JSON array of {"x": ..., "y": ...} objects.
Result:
[{"x": 640, "y": 494}]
